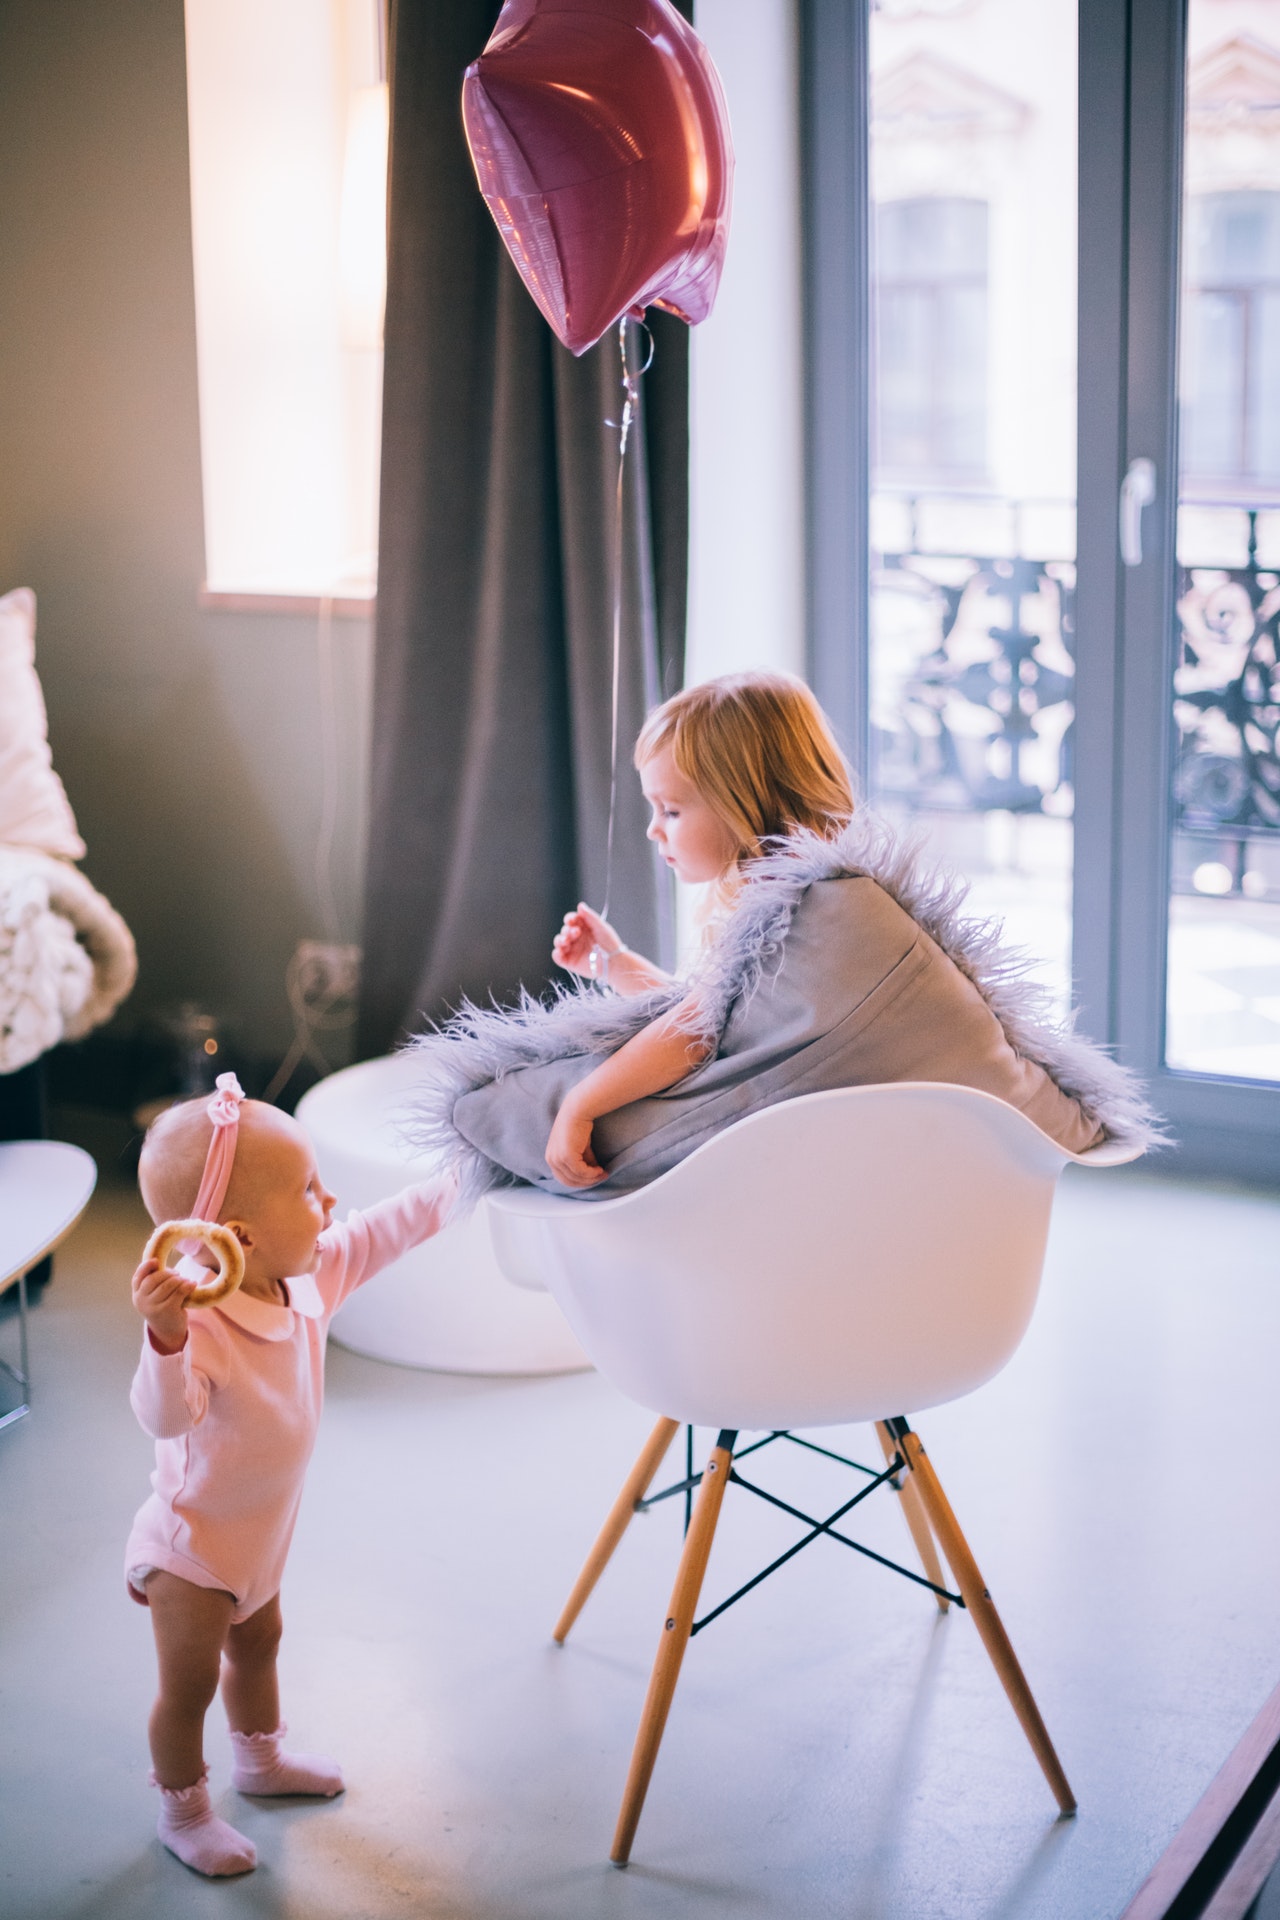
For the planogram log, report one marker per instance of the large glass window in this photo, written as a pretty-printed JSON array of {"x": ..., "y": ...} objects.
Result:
[
  {"x": 973, "y": 470},
  {"x": 287, "y": 117},
  {"x": 1146, "y": 790},
  {"x": 1223, "y": 989}
]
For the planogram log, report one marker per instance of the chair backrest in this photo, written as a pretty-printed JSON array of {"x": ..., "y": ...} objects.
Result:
[{"x": 848, "y": 1255}]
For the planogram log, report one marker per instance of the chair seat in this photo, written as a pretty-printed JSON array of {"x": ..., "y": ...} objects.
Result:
[{"x": 843, "y": 1256}]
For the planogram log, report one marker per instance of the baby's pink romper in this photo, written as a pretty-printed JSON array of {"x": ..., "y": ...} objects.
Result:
[{"x": 234, "y": 1414}]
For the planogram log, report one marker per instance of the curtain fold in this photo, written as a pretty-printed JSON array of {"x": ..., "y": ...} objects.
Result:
[{"x": 493, "y": 655}]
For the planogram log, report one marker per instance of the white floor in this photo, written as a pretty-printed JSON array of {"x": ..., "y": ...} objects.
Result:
[{"x": 835, "y": 1749}]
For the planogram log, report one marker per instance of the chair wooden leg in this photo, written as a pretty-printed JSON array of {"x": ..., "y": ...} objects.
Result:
[
  {"x": 675, "y": 1638},
  {"x": 917, "y": 1520},
  {"x": 985, "y": 1618},
  {"x": 634, "y": 1488}
]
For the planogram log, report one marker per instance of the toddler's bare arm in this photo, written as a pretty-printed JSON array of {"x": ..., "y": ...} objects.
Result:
[{"x": 651, "y": 1061}]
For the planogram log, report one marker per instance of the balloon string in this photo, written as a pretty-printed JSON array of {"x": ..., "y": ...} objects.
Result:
[{"x": 631, "y": 379}]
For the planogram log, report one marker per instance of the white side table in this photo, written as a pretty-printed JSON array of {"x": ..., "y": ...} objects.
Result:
[
  {"x": 44, "y": 1188},
  {"x": 444, "y": 1305}
]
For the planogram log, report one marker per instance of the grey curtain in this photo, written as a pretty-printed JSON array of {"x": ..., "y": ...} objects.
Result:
[{"x": 490, "y": 783}]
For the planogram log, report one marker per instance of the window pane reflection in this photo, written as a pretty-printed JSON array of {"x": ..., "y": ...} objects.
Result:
[
  {"x": 973, "y": 152},
  {"x": 1223, "y": 989}
]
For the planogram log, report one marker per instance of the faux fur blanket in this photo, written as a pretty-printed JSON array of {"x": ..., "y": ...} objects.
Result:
[{"x": 480, "y": 1046}]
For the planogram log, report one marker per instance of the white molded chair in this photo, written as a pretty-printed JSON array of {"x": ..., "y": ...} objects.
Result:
[{"x": 847, "y": 1256}]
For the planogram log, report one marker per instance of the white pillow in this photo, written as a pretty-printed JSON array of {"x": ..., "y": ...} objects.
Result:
[{"x": 34, "y": 809}]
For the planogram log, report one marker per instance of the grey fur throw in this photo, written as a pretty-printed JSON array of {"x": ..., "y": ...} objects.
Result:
[{"x": 805, "y": 986}]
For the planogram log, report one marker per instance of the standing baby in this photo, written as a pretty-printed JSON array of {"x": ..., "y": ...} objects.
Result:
[{"x": 231, "y": 1394}]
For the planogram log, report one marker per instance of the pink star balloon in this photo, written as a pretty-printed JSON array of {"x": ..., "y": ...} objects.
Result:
[{"x": 600, "y": 138}]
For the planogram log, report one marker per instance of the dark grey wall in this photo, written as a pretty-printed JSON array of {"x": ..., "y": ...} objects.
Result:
[{"x": 188, "y": 742}]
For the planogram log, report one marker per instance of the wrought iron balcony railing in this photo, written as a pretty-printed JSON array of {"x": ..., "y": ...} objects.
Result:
[
  {"x": 973, "y": 668},
  {"x": 1226, "y": 697}
]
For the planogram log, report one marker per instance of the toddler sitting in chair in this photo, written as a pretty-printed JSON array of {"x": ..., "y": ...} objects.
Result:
[{"x": 830, "y": 957}]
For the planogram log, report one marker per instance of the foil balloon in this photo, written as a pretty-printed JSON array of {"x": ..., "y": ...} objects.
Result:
[{"x": 600, "y": 138}]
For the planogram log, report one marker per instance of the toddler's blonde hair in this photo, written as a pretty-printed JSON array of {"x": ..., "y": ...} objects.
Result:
[{"x": 760, "y": 751}]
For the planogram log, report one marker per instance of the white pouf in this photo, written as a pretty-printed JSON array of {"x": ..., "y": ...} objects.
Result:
[{"x": 444, "y": 1304}]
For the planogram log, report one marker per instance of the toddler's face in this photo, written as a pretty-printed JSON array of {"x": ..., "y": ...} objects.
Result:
[
  {"x": 692, "y": 837},
  {"x": 288, "y": 1206}
]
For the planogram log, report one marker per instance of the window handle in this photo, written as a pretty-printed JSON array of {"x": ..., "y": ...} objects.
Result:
[{"x": 1137, "y": 490}]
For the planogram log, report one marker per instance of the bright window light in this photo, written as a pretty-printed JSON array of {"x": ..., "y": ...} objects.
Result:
[
  {"x": 288, "y": 116},
  {"x": 1212, "y": 877}
]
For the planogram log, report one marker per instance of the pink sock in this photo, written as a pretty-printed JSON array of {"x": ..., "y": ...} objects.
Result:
[
  {"x": 190, "y": 1828},
  {"x": 261, "y": 1767}
]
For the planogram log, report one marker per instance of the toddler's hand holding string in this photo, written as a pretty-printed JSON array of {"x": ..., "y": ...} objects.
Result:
[
  {"x": 161, "y": 1296},
  {"x": 586, "y": 944}
]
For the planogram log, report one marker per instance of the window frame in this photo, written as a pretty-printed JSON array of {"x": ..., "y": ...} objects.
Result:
[{"x": 835, "y": 148}]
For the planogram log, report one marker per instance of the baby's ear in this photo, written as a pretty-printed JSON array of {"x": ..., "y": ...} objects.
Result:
[{"x": 240, "y": 1231}]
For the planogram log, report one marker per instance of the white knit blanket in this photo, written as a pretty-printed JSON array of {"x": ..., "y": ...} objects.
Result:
[{"x": 67, "y": 959}]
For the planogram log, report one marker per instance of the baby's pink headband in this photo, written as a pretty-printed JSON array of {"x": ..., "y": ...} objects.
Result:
[{"x": 224, "y": 1111}]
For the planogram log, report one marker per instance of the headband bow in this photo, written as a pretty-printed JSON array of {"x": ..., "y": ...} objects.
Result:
[{"x": 224, "y": 1111}]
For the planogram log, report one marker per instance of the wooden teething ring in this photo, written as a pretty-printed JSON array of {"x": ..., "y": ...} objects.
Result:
[{"x": 220, "y": 1240}]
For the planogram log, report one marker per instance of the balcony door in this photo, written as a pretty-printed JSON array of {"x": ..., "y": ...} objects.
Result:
[
  {"x": 1044, "y": 496},
  {"x": 1178, "y": 820}
]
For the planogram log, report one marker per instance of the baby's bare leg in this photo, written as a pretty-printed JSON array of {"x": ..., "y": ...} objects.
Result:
[
  {"x": 190, "y": 1625},
  {"x": 250, "y": 1691},
  {"x": 251, "y": 1696}
]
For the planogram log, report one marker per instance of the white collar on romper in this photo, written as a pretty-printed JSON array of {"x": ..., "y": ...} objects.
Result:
[{"x": 268, "y": 1319}]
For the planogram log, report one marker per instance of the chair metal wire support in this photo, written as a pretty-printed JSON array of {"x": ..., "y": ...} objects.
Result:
[
  {"x": 692, "y": 1480},
  {"x": 817, "y": 1528},
  {"x": 688, "y": 1478}
]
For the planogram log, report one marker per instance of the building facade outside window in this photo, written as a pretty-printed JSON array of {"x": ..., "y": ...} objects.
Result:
[
  {"x": 1231, "y": 341},
  {"x": 931, "y": 339}
]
